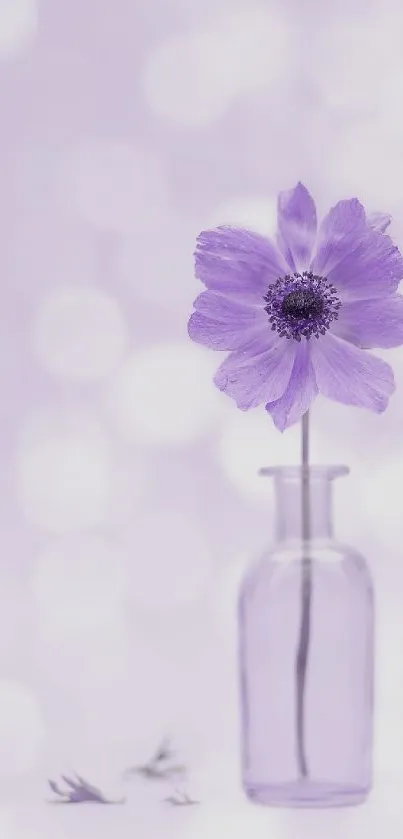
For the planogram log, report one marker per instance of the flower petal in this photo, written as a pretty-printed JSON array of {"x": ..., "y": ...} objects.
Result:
[
  {"x": 379, "y": 221},
  {"x": 222, "y": 323},
  {"x": 338, "y": 234},
  {"x": 297, "y": 224},
  {"x": 371, "y": 323},
  {"x": 373, "y": 269},
  {"x": 299, "y": 394},
  {"x": 221, "y": 307},
  {"x": 359, "y": 261},
  {"x": 351, "y": 375},
  {"x": 237, "y": 262},
  {"x": 258, "y": 374}
]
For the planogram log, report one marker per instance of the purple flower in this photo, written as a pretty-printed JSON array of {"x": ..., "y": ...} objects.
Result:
[{"x": 298, "y": 314}]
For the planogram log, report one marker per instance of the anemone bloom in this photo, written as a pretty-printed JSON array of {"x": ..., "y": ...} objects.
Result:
[{"x": 297, "y": 315}]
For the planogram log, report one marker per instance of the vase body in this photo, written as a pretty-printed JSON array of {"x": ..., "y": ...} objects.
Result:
[{"x": 306, "y": 743}]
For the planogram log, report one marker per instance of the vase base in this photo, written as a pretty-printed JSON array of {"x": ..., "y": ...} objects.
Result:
[{"x": 306, "y": 793}]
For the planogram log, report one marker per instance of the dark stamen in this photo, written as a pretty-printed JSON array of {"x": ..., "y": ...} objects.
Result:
[{"x": 301, "y": 305}]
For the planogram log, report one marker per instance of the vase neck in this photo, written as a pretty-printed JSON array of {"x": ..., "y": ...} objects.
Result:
[{"x": 296, "y": 520}]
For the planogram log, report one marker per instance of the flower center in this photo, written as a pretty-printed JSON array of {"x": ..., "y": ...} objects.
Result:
[{"x": 302, "y": 305}]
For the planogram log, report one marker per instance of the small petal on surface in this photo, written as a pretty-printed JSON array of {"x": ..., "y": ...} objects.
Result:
[
  {"x": 222, "y": 323},
  {"x": 238, "y": 263},
  {"x": 299, "y": 394},
  {"x": 297, "y": 225},
  {"x": 371, "y": 323},
  {"x": 379, "y": 221},
  {"x": 257, "y": 375},
  {"x": 351, "y": 375},
  {"x": 360, "y": 261}
]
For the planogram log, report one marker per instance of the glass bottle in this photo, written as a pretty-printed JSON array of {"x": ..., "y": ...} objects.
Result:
[{"x": 306, "y": 736}]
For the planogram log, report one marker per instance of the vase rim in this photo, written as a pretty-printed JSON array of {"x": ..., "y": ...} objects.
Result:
[{"x": 316, "y": 471}]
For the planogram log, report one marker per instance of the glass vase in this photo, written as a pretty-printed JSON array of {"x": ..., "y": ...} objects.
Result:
[{"x": 306, "y": 624}]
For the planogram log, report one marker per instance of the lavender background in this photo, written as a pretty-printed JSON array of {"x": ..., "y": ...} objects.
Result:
[{"x": 129, "y": 497}]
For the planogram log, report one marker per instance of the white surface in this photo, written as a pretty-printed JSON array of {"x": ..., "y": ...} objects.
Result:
[
  {"x": 62, "y": 481},
  {"x": 192, "y": 79}
]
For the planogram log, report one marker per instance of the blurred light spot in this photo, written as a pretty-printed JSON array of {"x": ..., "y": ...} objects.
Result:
[
  {"x": 261, "y": 40},
  {"x": 113, "y": 676},
  {"x": 78, "y": 582},
  {"x": 127, "y": 484},
  {"x": 170, "y": 562},
  {"x": 378, "y": 503},
  {"x": 14, "y": 609},
  {"x": 352, "y": 172},
  {"x": 191, "y": 13},
  {"x": 388, "y": 741},
  {"x": 390, "y": 94},
  {"x": 113, "y": 186},
  {"x": 60, "y": 255},
  {"x": 355, "y": 59},
  {"x": 344, "y": 434},
  {"x": 165, "y": 395},
  {"x": 192, "y": 79},
  {"x": 162, "y": 272},
  {"x": 389, "y": 673},
  {"x": 18, "y": 25},
  {"x": 189, "y": 80},
  {"x": 251, "y": 441},
  {"x": 225, "y": 594},
  {"x": 83, "y": 659},
  {"x": 63, "y": 475},
  {"x": 259, "y": 214},
  {"x": 345, "y": 80},
  {"x": 21, "y": 730},
  {"x": 79, "y": 334}
]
